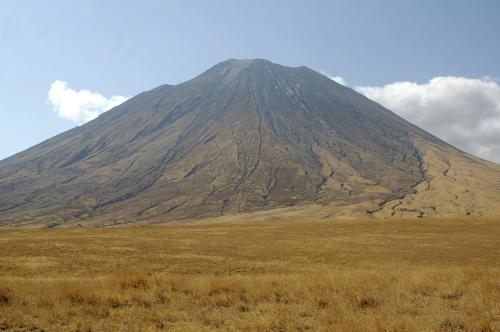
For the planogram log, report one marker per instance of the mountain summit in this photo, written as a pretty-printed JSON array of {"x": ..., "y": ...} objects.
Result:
[{"x": 246, "y": 135}]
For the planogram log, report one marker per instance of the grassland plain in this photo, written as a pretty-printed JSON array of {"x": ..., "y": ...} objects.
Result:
[{"x": 331, "y": 275}]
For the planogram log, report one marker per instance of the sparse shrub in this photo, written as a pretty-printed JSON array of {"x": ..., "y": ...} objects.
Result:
[
  {"x": 221, "y": 300},
  {"x": 134, "y": 281},
  {"x": 5, "y": 296},
  {"x": 114, "y": 301},
  {"x": 243, "y": 308},
  {"x": 452, "y": 295},
  {"x": 322, "y": 304},
  {"x": 368, "y": 302},
  {"x": 79, "y": 296},
  {"x": 161, "y": 298}
]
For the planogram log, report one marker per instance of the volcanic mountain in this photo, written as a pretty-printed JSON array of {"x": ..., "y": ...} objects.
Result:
[{"x": 244, "y": 136}]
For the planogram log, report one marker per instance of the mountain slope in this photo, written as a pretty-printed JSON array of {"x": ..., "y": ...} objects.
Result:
[{"x": 246, "y": 135}]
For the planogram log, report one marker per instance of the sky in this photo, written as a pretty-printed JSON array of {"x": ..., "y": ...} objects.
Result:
[{"x": 436, "y": 63}]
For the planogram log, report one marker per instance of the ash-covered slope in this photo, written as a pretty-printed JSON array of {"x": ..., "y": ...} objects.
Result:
[{"x": 246, "y": 135}]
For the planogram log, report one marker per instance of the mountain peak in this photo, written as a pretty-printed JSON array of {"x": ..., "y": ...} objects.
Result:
[
  {"x": 248, "y": 61},
  {"x": 254, "y": 64}
]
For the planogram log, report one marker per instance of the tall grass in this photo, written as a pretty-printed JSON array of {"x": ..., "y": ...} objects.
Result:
[{"x": 352, "y": 276}]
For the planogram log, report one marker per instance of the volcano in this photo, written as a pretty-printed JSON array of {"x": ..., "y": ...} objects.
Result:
[{"x": 242, "y": 137}]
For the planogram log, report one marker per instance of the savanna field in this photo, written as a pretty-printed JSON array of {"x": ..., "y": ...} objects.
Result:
[{"x": 336, "y": 275}]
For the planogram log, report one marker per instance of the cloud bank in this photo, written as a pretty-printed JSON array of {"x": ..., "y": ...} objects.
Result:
[
  {"x": 80, "y": 106},
  {"x": 462, "y": 111}
]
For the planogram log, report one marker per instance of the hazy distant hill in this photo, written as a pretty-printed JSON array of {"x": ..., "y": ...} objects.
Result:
[{"x": 246, "y": 135}]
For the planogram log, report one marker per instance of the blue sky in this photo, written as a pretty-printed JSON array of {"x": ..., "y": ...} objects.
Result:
[{"x": 120, "y": 48}]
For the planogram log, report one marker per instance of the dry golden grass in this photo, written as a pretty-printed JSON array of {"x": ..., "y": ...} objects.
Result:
[{"x": 364, "y": 275}]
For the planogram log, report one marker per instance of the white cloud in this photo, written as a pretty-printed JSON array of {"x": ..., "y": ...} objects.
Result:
[
  {"x": 80, "y": 106},
  {"x": 338, "y": 79},
  {"x": 462, "y": 111}
]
